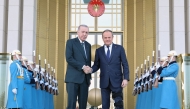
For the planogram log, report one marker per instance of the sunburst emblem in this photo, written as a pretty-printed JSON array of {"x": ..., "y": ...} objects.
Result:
[{"x": 96, "y": 8}]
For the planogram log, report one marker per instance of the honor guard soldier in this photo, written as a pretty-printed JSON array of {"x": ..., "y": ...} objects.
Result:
[
  {"x": 32, "y": 83},
  {"x": 158, "y": 89},
  {"x": 46, "y": 99},
  {"x": 27, "y": 88},
  {"x": 36, "y": 89},
  {"x": 148, "y": 93},
  {"x": 27, "y": 97},
  {"x": 33, "y": 79},
  {"x": 15, "y": 89},
  {"x": 169, "y": 96},
  {"x": 42, "y": 89}
]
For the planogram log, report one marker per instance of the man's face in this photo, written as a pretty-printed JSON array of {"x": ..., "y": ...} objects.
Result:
[
  {"x": 16, "y": 57},
  {"x": 20, "y": 56},
  {"x": 107, "y": 38},
  {"x": 83, "y": 33},
  {"x": 161, "y": 62},
  {"x": 169, "y": 57},
  {"x": 165, "y": 64}
]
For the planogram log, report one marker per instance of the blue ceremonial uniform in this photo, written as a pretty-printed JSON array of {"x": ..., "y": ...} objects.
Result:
[
  {"x": 17, "y": 82},
  {"x": 34, "y": 91},
  {"x": 41, "y": 96},
  {"x": 51, "y": 103},
  {"x": 35, "y": 98},
  {"x": 169, "y": 96},
  {"x": 139, "y": 95},
  {"x": 27, "y": 98},
  {"x": 157, "y": 94}
]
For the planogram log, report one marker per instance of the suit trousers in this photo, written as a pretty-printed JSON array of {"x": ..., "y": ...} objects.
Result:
[
  {"x": 105, "y": 93},
  {"x": 75, "y": 90}
]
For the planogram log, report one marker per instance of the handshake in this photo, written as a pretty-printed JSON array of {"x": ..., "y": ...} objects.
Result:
[{"x": 87, "y": 69}]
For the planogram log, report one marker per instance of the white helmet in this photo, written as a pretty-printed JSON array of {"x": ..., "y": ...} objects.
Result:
[
  {"x": 164, "y": 59},
  {"x": 24, "y": 58},
  {"x": 30, "y": 62},
  {"x": 14, "y": 52},
  {"x": 172, "y": 53},
  {"x": 42, "y": 69},
  {"x": 37, "y": 66}
]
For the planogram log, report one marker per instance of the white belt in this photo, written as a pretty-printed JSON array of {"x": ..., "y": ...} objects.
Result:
[
  {"x": 159, "y": 82},
  {"x": 168, "y": 78}
]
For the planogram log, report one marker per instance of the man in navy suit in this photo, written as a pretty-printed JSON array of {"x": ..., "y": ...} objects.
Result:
[
  {"x": 114, "y": 71},
  {"x": 78, "y": 56}
]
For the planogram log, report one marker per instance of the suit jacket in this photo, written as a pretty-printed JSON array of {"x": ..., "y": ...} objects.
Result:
[
  {"x": 75, "y": 57},
  {"x": 115, "y": 69}
]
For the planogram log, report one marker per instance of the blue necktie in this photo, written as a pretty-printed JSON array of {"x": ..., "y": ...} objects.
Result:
[
  {"x": 108, "y": 53},
  {"x": 84, "y": 49}
]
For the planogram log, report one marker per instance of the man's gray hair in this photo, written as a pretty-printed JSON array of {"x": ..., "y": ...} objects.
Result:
[{"x": 83, "y": 25}]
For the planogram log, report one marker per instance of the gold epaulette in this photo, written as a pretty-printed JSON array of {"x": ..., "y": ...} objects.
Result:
[{"x": 20, "y": 77}]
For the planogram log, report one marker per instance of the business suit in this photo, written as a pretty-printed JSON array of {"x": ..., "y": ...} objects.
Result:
[
  {"x": 76, "y": 80},
  {"x": 112, "y": 73}
]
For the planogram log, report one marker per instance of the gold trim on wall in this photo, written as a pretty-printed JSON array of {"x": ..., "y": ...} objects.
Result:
[
  {"x": 5, "y": 53},
  {"x": 125, "y": 100},
  {"x": 66, "y": 37}
]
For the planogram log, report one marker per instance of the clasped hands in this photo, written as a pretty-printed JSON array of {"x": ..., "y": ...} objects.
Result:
[{"x": 87, "y": 69}]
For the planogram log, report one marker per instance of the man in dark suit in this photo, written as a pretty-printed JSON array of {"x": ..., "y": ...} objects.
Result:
[
  {"x": 114, "y": 71},
  {"x": 78, "y": 56}
]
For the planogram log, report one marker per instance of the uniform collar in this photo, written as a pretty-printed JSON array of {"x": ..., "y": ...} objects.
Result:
[{"x": 172, "y": 62}]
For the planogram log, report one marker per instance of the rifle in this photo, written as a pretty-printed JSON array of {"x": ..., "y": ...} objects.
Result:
[
  {"x": 50, "y": 81},
  {"x": 35, "y": 73},
  {"x": 149, "y": 77},
  {"x": 153, "y": 59},
  {"x": 145, "y": 77},
  {"x": 53, "y": 82},
  {"x": 45, "y": 77},
  {"x": 142, "y": 79},
  {"x": 139, "y": 82},
  {"x": 49, "y": 77},
  {"x": 135, "y": 82},
  {"x": 40, "y": 75},
  {"x": 56, "y": 84},
  {"x": 158, "y": 62}
]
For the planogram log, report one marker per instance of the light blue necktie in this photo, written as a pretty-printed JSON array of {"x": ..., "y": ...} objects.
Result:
[{"x": 84, "y": 49}]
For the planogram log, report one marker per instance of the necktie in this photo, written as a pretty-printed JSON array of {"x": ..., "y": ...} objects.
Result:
[
  {"x": 108, "y": 53},
  {"x": 84, "y": 49}
]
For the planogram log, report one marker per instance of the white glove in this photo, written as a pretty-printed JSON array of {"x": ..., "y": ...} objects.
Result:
[
  {"x": 14, "y": 91},
  {"x": 46, "y": 83},
  {"x": 157, "y": 76},
  {"x": 49, "y": 86},
  {"x": 157, "y": 66},
  {"x": 147, "y": 74},
  {"x": 42, "y": 73},
  {"x": 50, "y": 77},
  {"x": 55, "y": 81},
  {"x": 152, "y": 68},
  {"x": 36, "y": 79},
  {"x": 36, "y": 69},
  {"x": 41, "y": 82}
]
